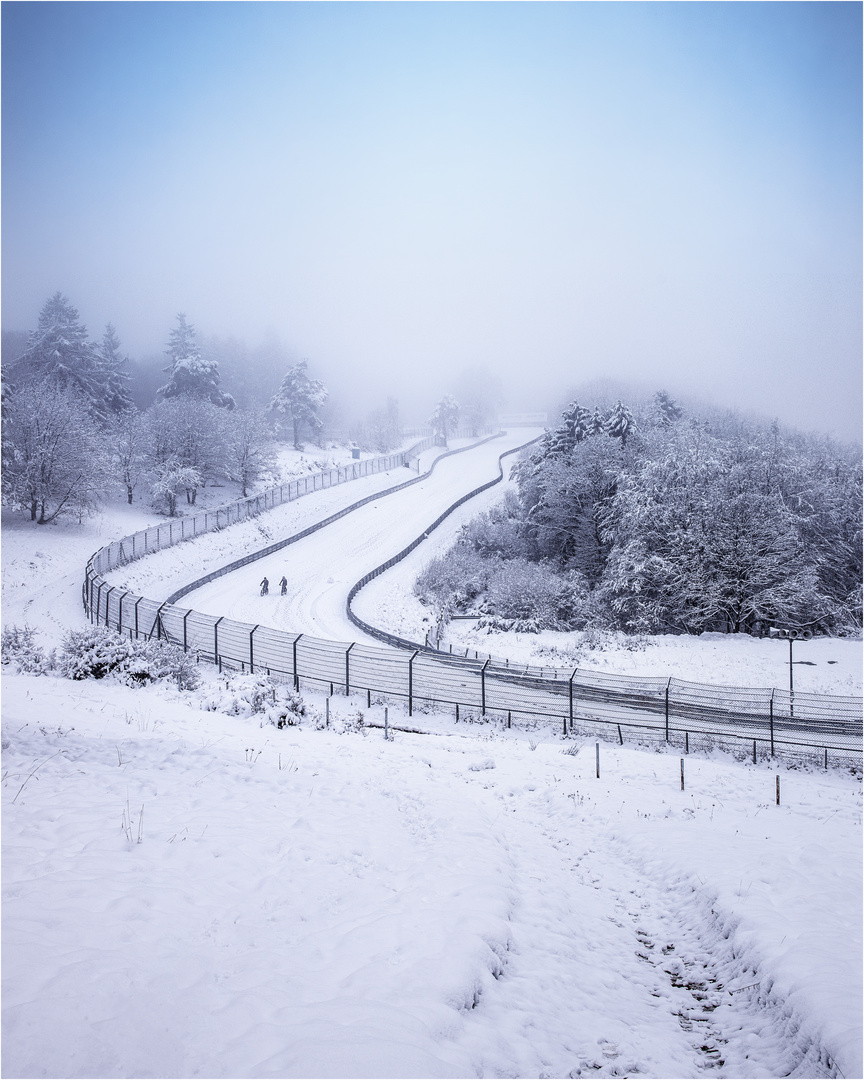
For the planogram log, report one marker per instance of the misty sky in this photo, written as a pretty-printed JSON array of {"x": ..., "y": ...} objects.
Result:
[{"x": 666, "y": 192}]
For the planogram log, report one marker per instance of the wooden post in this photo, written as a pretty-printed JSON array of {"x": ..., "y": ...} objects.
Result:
[
  {"x": 754, "y": 751},
  {"x": 826, "y": 757},
  {"x": 682, "y": 773},
  {"x": 386, "y": 725},
  {"x": 457, "y": 712},
  {"x": 597, "y": 753},
  {"x": 508, "y": 725},
  {"x": 368, "y": 699},
  {"x": 252, "y": 649},
  {"x": 327, "y": 706},
  {"x": 686, "y": 742},
  {"x": 411, "y": 685},
  {"x": 620, "y": 736},
  {"x": 296, "y": 675},
  {"x": 777, "y": 778},
  {"x": 347, "y": 671}
]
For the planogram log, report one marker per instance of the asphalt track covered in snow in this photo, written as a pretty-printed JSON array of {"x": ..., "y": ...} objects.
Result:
[{"x": 321, "y": 568}]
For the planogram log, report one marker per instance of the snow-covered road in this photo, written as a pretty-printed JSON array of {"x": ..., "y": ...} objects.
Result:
[{"x": 321, "y": 568}]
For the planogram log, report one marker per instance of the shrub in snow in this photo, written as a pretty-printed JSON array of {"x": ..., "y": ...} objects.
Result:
[
  {"x": 19, "y": 648},
  {"x": 249, "y": 695},
  {"x": 91, "y": 653},
  {"x": 534, "y": 593},
  {"x": 96, "y": 652},
  {"x": 353, "y": 722}
]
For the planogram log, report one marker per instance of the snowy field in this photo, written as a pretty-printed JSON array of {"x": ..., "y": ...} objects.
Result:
[{"x": 188, "y": 893}]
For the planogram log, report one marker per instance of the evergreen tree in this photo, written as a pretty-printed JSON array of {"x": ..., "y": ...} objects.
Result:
[
  {"x": 60, "y": 352},
  {"x": 191, "y": 375},
  {"x": 113, "y": 376},
  {"x": 298, "y": 400},
  {"x": 664, "y": 409},
  {"x": 618, "y": 424},
  {"x": 445, "y": 417},
  {"x": 574, "y": 427}
]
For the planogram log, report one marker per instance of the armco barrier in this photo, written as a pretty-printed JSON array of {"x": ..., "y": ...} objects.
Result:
[{"x": 671, "y": 710}]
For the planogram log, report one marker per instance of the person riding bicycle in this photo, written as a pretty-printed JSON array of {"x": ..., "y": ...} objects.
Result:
[
  {"x": 284, "y": 584},
  {"x": 265, "y": 587}
]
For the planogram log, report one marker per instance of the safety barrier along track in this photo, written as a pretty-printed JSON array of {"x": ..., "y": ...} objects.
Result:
[{"x": 673, "y": 709}]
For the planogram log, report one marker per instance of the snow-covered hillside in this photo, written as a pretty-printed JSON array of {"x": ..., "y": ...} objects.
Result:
[{"x": 190, "y": 893}]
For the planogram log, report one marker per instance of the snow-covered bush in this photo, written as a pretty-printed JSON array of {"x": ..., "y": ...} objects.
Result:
[
  {"x": 454, "y": 581},
  {"x": 19, "y": 648},
  {"x": 534, "y": 593},
  {"x": 96, "y": 652},
  {"x": 92, "y": 653},
  {"x": 250, "y": 695}
]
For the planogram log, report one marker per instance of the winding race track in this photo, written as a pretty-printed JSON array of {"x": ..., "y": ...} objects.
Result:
[{"x": 321, "y": 568}]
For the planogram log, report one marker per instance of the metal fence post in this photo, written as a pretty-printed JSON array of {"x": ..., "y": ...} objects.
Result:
[
  {"x": 411, "y": 683},
  {"x": 251, "y": 649},
  {"x": 771, "y": 721},
  {"x": 572, "y": 677},
  {"x": 185, "y": 639},
  {"x": 216, "y": 638},
  {"x": 667, "y": 710},
  {"x": 157, "y": 624},
  {"x": 483, "y": 689},
  {"x": 108, "y": 604},
  {"x": 137, "y": 602},
  {"x": 347, "y": 667},
  {"x": 294, "y": 650},
  {"x": 120, "y": 613},
  {"x": 98, "y": 600}
]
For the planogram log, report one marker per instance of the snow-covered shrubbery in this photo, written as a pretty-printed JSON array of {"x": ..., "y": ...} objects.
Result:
[
  {"x": 512, "y": 594},
  {"x": 19, "y": 648},
  {"x": 95, "y": 652},
  {"x": 248, "y": 695}
]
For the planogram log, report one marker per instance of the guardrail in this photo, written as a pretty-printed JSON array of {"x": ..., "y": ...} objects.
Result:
[{"x": 671, "y": 710}]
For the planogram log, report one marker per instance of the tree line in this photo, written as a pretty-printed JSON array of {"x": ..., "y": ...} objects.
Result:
[
  {"x": 72, "y": 432},
  {"x": 657, "y": 522}
]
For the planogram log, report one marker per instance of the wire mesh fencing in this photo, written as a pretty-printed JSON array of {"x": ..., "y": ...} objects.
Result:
[{"x": 668, "y": 710}]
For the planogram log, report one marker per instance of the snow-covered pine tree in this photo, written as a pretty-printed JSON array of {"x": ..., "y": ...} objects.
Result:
[
  {"x": 618, "y": 423},
  {"x": 112, "y": 373},
  {"x": 574, "y": 427},
  {"x": 595, "y": 424},
  {"x": 60, "y": 352},
  {"x": 298, "y": 400},
  {"x": 191, "y": 375},
  {"x": 445, "y": 416},
  {"x": 664, "y": 409}
]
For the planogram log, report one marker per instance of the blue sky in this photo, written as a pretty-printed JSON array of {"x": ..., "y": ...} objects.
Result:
[{"x": 667, "y": 192}]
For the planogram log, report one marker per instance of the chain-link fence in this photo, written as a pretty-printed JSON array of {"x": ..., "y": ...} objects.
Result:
[{"x": 671, "y": 710}]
